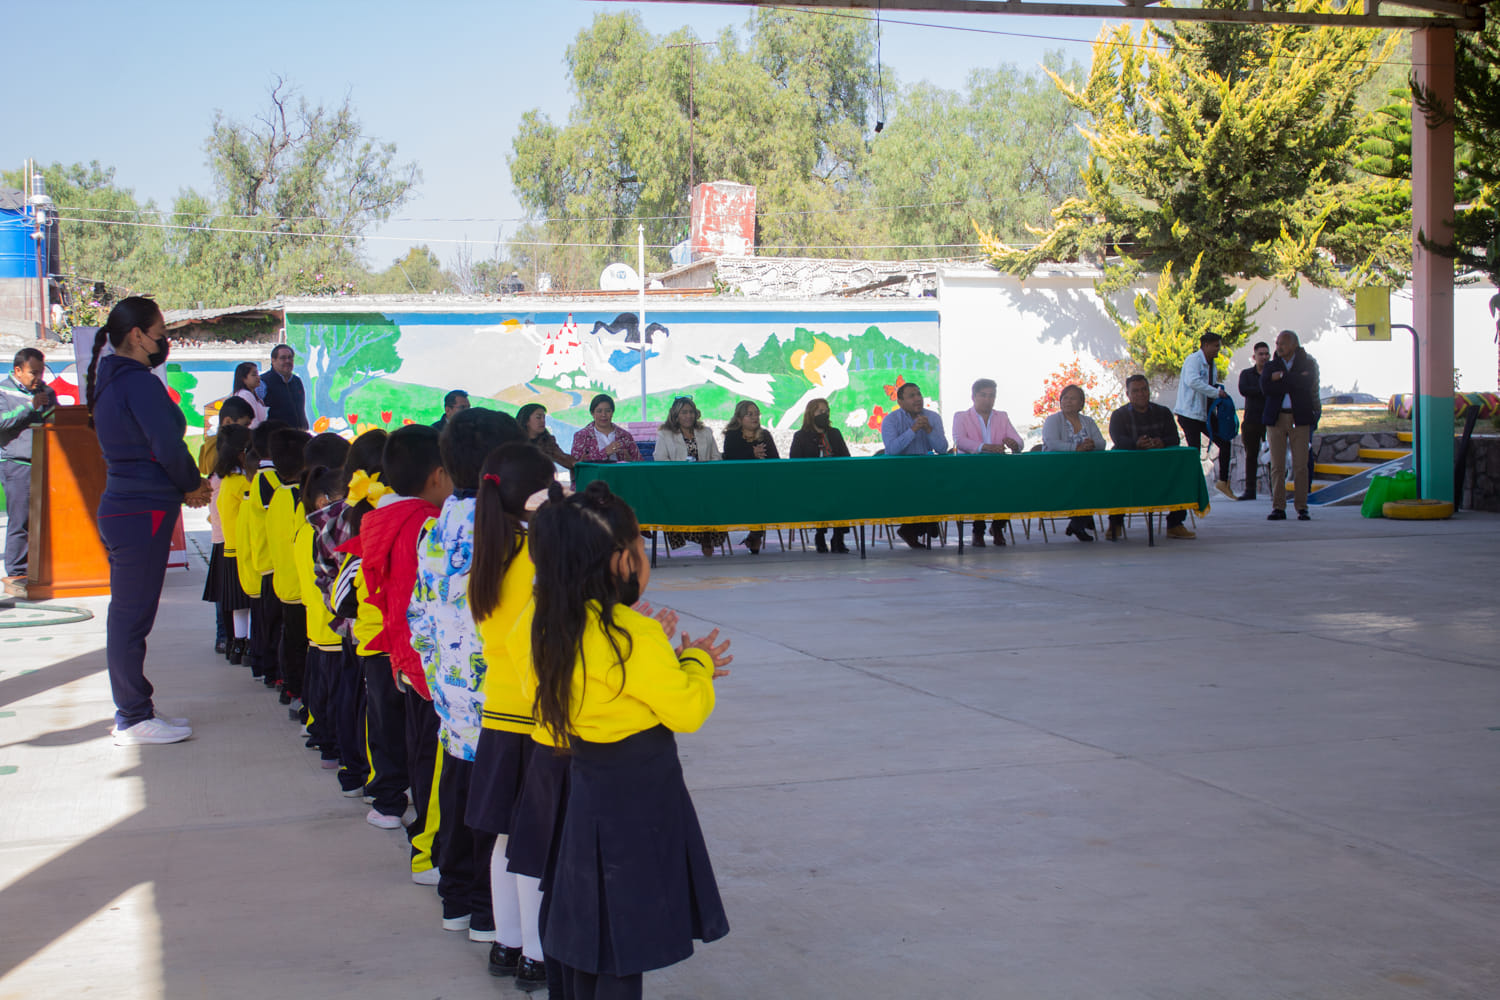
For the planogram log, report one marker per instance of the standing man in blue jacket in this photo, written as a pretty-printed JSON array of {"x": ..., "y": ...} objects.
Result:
[
  {"x": 1197, "y": 389},
  {"x": 1290, "y": 383},
  {"x": 25, "y": 401},
  {"x": 286, "y": 398}
]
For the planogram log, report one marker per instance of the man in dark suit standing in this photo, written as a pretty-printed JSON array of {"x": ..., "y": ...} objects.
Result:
[
  {"x": 1290, "y": 382},
  {"x": 286, "y": 399},
  {"x": 1252, "y": 431}
]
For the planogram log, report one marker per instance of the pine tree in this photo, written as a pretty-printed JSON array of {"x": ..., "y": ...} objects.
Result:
[{"x": 1219, "y": 153}]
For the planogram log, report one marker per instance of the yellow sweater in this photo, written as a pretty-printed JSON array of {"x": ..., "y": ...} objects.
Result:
[
  {"x": 244, "y": 564},
  {"x": 657, "y": 688},
  {"x": 231, "y": 494},
  {"x": 367, "y": 621},
  {"x": 282, "y": 518},
  {"x": 320, "y": 631},
  {"x": 506, "y": 706},
  {"x": 255, "y": 512}
]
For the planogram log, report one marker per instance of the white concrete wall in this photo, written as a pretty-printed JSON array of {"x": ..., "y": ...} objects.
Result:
[{"x": 995, "y": 326}]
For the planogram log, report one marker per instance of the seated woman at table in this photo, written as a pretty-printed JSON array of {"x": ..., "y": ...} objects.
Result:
[
  {"x": 1070, "y": 429},
  {"x": 533, "y": 420},
  {"x": 818, "y": 438},
  {"x": 603, "y": 440},
  {"x": 745, "y": 438},
  {"x": 683, "y": 438}
]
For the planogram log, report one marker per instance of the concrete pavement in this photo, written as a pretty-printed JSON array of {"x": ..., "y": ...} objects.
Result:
[{"x": 1261, "y": 764}]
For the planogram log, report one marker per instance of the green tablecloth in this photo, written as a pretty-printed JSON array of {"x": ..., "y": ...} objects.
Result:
[{"x": 816, "y": 492}]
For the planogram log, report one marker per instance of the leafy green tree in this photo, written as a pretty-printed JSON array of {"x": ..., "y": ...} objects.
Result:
[
  {"x": 1228, "y": 156},
  {"x": 999, "y": 155},
  {"x": 786, "y": 112},
  {"x": 296, "y": 187},
  {"x": 108, "y": 238},
  {"x": 419, "y": 271}
]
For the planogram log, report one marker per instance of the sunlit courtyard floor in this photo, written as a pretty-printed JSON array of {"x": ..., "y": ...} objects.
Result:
[{"x": 1261, "y": 764}]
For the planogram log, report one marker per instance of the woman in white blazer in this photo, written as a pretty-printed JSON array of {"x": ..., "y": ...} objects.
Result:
[{"x": 683, "y": 438}]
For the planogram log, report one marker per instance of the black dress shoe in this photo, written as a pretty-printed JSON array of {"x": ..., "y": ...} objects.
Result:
[
  {"x": 220, "y": 646},
  {"x": 236, "y": 652},
  {"x": 530, "y": 974},
  {"x": 838, "y": 544},
  {"x": 1303, "y": 515},
  {"x": 503, "y": 960},
  {"x": 820, "y": 544},
  {"x": 1080, "y": 533},
  {"x": 908, "y": 534},
  {"x": 1246, "y": 496},
  {"x": 1276, "y": 515}
]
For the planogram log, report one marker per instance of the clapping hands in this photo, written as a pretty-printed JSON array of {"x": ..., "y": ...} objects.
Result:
[{"x": 717, "y": 651}]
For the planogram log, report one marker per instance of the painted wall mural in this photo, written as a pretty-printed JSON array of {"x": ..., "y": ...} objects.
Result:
[{"x": 389, "y": 368}]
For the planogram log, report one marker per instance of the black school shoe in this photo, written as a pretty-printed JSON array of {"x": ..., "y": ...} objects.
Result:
[
  {"x": 1303, "y": 515},
  {"x": 530, "y": 975},
  {"x": 1276, "y": 515},
  {"x": 503, "y": 960}
]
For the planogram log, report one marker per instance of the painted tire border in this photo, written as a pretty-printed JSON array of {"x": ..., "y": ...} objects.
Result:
[{"x": 1418, "y": 510}]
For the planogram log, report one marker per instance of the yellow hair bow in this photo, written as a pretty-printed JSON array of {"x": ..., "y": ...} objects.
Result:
[{"x": 363, "y": 486}]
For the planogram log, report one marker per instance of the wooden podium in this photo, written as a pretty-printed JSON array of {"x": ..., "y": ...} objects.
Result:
[{"x": 66, "y": 557}]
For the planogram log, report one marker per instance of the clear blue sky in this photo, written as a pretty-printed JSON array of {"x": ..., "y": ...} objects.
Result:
[{"x": 135, "y": 83}]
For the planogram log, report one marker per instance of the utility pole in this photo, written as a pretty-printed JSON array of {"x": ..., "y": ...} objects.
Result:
[{"x": 692, "y": 112}]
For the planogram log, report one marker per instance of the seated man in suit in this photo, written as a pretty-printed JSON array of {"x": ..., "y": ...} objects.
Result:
[
  {"x": 1137, "y": 426},
  {"x": 913, "y": 430},
  {"x": 984, "y": 430}
]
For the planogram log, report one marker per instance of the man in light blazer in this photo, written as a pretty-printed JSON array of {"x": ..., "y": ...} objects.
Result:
[{"x": 984, "y": 430}]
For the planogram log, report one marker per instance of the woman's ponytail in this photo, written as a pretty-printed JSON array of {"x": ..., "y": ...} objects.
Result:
[
  {"x": 88, "y": 392},
  {"x": 130, "y": 313}
]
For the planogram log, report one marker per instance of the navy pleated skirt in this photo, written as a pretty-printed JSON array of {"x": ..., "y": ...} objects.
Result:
[
  {"x": 537, "y": 822},
  {"x": 633, "y": 886},
  {"x": 499, "y": 765},
  {"x": 223, "y": 584},
  {"x": 215, "y": 569}
]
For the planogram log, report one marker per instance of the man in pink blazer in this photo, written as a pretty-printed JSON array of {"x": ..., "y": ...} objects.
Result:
[{"x": 982, "y": 429}]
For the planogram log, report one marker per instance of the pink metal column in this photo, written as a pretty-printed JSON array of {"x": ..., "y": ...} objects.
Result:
[{"x": 1432, "y": 275}]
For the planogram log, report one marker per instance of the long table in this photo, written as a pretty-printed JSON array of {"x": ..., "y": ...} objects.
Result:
[{"x": 846, "y": 492}]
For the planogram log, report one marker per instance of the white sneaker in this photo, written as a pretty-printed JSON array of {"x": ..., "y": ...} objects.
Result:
[
  {"x": 430, "y": 877},
  {"x": 377, "y": 818},
  {"x": 151, "y": 731},
  {"x": 169, "y": 720}
]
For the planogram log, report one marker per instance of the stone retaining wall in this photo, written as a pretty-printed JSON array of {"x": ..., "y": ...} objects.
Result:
[{"x": 1481, "y": 480}]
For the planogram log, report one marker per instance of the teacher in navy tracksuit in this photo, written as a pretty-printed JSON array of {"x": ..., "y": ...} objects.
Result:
[{"x": 150, "y": 476}]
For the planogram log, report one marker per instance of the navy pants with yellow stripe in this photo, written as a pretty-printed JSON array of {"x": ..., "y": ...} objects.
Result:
[
  {"x": 424, "y": 764},
  {"x": 385, "y": 730},
  {"x": 346, "y": 709}
]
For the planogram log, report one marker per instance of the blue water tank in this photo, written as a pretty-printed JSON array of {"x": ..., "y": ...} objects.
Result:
[{"x": 18, "y": 252}]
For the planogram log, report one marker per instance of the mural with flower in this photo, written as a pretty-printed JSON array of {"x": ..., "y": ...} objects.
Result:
[{"x": 399, "y": 365}]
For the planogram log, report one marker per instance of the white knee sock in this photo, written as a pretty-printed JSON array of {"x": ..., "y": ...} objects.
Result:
[
  {"x": 503, "y": 898},
  {"x": 529, "y": 893},
  {"x": 242, "y": 623}
]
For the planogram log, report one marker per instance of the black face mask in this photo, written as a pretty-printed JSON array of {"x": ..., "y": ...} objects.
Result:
[
  {"x": 630, "y": 590},
  {"x": 821, "y": 421},
  {"x": 158, "y": 357}
]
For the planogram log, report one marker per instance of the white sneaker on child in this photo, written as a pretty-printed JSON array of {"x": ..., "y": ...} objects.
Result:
[
  {"x": 149, "y": 732},
  {"x": 377, "y": 818},
  {"x": 430, "y": 877}
]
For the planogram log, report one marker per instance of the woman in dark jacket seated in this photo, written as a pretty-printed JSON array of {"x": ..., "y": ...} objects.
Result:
[
  {"x": 818, "y": 438},
  {"x": 745, "y": 438}
]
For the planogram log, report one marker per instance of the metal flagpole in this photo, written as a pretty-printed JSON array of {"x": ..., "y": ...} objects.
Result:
[{"x": 640, "y": 246}]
